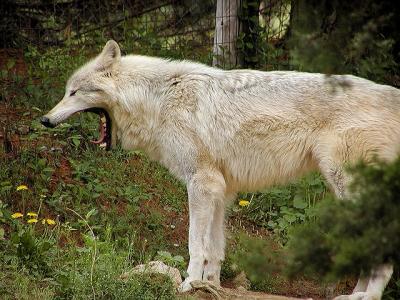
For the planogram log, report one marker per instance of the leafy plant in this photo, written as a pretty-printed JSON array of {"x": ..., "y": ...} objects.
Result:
[
  {"x": 176, "y": 261},
  {"x": 281, "y": 207},
  {"x": 356, "y": 235}
]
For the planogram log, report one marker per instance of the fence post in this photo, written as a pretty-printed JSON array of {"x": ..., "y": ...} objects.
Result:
[{"x": 226, "y": 33}]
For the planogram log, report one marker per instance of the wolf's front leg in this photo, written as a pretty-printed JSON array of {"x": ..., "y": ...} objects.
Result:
[
  {"x": 215, "y": 245},
  {"x": 206, "y": 191}
]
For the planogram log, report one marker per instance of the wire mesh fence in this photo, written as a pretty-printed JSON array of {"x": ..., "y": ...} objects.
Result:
[{"x": 227, "y": 33}]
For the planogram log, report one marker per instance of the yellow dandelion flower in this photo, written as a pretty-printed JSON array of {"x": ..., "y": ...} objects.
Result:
[
  {"x": 17, "y": 215},
  {"x": 32, "y": 214},
  {"x": 244, "y": 203},
  {"x": 30, "y": 221},
  {"x": 22, "y": 187},
  {"x": 50, "y": 221}
]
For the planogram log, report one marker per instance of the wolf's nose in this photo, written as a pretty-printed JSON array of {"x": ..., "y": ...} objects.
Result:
[{"x": 46, "y": 122}]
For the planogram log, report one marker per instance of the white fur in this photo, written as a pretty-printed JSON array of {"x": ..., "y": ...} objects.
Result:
[{"x": 222, "y": 132}]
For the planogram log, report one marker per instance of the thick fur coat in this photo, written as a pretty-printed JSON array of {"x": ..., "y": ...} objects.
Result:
[{"x": 222, "y": 132}]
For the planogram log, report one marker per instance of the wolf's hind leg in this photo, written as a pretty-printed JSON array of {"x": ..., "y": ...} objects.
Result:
[
  {"x": 361, "y": 285},
  {"x": 377, "y": 282},
  {"x": 206, "y": 192}
]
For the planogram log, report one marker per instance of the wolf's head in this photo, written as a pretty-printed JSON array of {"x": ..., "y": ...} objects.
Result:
[{"x": 91, "y": 89}]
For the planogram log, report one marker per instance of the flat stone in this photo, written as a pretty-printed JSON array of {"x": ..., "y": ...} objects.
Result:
[{"x": 156, "y": 267}]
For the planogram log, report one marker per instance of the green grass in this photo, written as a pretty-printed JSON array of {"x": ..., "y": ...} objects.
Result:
[{"x": 71, "y": 275}]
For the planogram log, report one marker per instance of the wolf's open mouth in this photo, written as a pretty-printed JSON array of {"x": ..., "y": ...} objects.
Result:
[{"x": 104, "y": 127}]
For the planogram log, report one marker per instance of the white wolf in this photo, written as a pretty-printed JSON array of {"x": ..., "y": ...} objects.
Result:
[{"x": 222, "y": 132}]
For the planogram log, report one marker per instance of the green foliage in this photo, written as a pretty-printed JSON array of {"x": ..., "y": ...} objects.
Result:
[
  {"x": 260, "y": 259},
  {"x": 357, "y": 37},
  {"x": 107, "y": 283},
  {"x": 32, "y": 250},
  {"x": 260, "y": 42},
  {"x": 392, "y": 291},
  {"x": 353, "y": 236},
  {"x": 249, "y": 38},
  {"x": 281, "y": 207},
  {"x": 35, "y": 82}
]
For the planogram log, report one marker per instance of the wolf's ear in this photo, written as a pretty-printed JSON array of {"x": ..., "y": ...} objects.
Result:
[{"x": 110, "y": 56}]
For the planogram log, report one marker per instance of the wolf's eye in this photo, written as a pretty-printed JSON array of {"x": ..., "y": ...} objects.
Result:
[{"x": 72, "y": 93}]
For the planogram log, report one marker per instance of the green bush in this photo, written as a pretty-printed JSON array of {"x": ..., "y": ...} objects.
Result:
[{"x": 356, "y": 234}]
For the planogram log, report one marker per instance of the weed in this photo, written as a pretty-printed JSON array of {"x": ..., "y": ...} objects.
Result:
[
  {"x": 281, "y": 207},
  {"x": 176, "y": 261}
]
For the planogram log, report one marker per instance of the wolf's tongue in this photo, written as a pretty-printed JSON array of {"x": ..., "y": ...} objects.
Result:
[{"x": 102, "y": 129}]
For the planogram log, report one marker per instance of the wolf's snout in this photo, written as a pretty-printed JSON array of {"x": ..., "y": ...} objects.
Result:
[{"x": 46, "y": 122}]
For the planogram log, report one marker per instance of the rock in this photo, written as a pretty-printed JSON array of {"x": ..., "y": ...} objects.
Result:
[
  {"x": 241, "y": 289},
  {"x": 200, "y": 295},
  {"x": 241, "y": 281},
  {"x": 207, "y": 286},
  {"x": 156, "y": 267}
]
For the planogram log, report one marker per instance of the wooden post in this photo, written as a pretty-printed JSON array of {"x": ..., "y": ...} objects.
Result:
[{"x": 226, "y": 33}]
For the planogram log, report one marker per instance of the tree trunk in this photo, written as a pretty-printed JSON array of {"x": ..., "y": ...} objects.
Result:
[{"x": 226, "y": 33}]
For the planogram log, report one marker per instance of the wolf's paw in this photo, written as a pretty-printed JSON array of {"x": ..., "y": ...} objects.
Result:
[
  {"x": 211, "y": 273},
  {"x": 358, "y": 296},
  {"x": 185, "y": 286}
]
